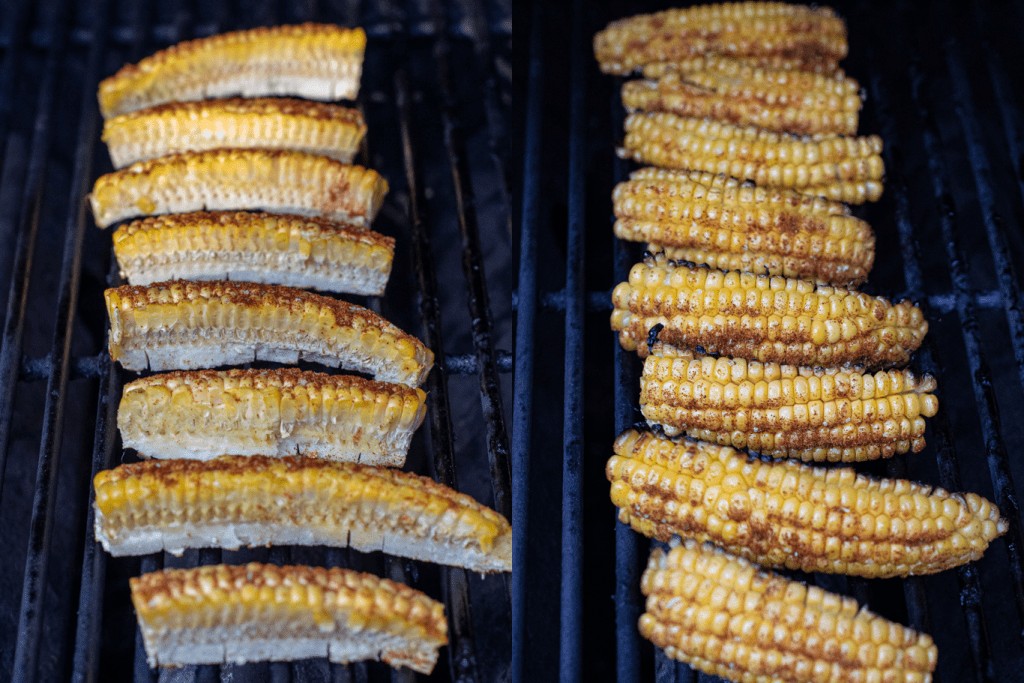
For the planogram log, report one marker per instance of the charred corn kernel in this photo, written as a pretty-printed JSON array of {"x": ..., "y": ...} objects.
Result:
[
  {"x": 802, "y": 102},
  {"x": 199, "y": 415},
  {"x": 254, "y": 612},
  {"x": 314, "y": 61},
  {"x": 719, "y": 63},
  {"x": 190, "y": 325},
  {"x": 725, "y": 616},
  {"x": 231, "y": 179},
  {"x": 265, "y": 123},
  {"x": 757, "y": 317},
  {"x": 732, "y": 225},
  {"x": 811, "y": 37},
  {"x": 255, "y": 501},
  {"x": 785, "y": 514},
  {"x": 812, "y": 414},
  {"x": 844, "y": 169},
  {"x": 255, "y": 247}
]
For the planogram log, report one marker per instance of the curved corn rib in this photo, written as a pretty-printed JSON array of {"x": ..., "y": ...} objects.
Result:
[
  {"x": 757, "y": 317},
  {"x": 801, "y": 103},
  {"x": 785, "y": 514},
  {"x": 199, "y": 415},
  {"x": 811, "y": 414},
  {"x": 235, "y": 501},
  {"x": 189, "y": 325},
  {"x": 231, "y": 179},
  {"x": 314, "y": 61},
  {"x": 258, "y": 612},
  {"x": 732, "y": 225},
  {"x": 711, "y": 61},
  {"x": 264, "y": 123},
  {"x": 255, "y": 247},
  {"x": 841, "y": 168},
  {"x": 725, "y": 616},
  {"x": 811, "y": 37}
]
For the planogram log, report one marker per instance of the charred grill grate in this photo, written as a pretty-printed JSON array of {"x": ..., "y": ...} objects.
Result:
[
  {"x": 436, "y": 94},
  {"x": 943, "y": 91}
]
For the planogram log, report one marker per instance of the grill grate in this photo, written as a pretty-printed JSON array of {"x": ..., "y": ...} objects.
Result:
[
  {"x": 943, "y": 93},
  {"x": 436, "y": 95}
]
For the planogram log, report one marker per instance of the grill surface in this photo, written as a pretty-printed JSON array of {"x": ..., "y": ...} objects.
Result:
[
  {"x": 437, "y": 95},
  {"x": 944, "y": 92}
]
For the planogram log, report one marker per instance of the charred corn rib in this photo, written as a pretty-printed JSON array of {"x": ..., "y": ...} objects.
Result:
[
  {"x": 716, "y": 62},
  {"x": 190, "y": 325},
  {"x": 264, "y": 123},
  {"x": 255, "y": 247},
  {"x": 844, "y": 169},
  {"x": 760, "y": 317},
  {"x": 810, "y": 37},
  {"x": 813, "y": 414},
  {"x": 784, "y": 514},
  {"x": 802, "y": 102},
  {"x": 314, "y": 61},
  {"x": 231, "y": 179},
  {"x": 257, "y": 612},
  {"x": 724, "y": 616},
  {"x": 732, "y": 225},
  {"x": 235, "y": 501},
  {"x": 199, "y": 415}
]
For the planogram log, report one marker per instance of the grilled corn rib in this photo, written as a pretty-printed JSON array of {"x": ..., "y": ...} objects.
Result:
[
  {"x": 189, "y": 325},
  {"x": 231, "y": 179},
  {"x": 725, "y": 616},
  {"x": 199, "y": 415},
  {"x": 255, "y": 247},
  {"x": 811, "y": 37},
  {"x": 258, "y": 612},
  {"x": 265, "y": 123},
  {"x": 732, "y": 225},
  {"x": 760, "y": 317},
  {"x": 314, "y": 61},
  {"x": 844, "y": 169},
  {"x": 719, "y": 63},
  {"x": 811, "y": 414},
  {"x": 802, "y": 103},
  {"x": 785, "y": 514},
  {"x": 235, "y": 501}
]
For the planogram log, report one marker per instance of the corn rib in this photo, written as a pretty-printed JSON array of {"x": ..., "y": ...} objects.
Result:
[
  {"x": 711, "y": 61},
  {"x": 810, "y": 414},
  {"x": 726, "y": 617},
  {"x": 264, "y": 123},
  {"x": 314, "y": 61},
  {"x": 785, "y": 514},
  {"x": 192, "y": 325},
  {"x": 732, "y": 225},
  {"x": 255, "y": 247},
  {"x": 199, "y": 415},
  {"x": 810, "y": 37},
  {"x": 843, "y": 169},
  {"x": 232, "y": 179},
  {"x": 258, "y": 612},
  {"x": 758, "y": 317}
]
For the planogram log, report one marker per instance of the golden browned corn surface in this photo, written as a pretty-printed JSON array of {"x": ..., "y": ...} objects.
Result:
[
  {"x": 261, "y": 123},
  {"x": 811, "y": 414},
  {"x": 232, "y": 179},
  {"x": 725, "y": 616},
  {"x": 760, "y": 317},
  {"x": 233, "y": 501},
  {"x": 732, "y": 225},
  {"x": 314, "y": 61},
  {"x": 846, "y": 169},
  {"x": 801, "y": 103},
  {"x": 720, "y": 63},
  {"x": 200, "y": 414},
  {"x": 780, "y": 513},
  {"x": 255, "y": 247},
  {"x": 191, "y": 325},
  {"x": 807, "y": 36},
  {"x": 257, "y": 612}
]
